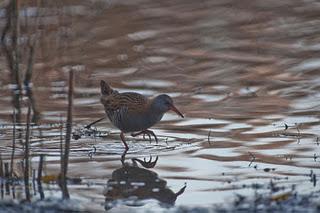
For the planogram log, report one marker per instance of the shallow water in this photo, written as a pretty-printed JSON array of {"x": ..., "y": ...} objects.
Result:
[{"x": 245, "y": 75}]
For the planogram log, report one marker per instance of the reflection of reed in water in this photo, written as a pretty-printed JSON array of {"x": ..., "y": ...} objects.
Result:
[
  {"x": 13, "y": 50},
  {"x": 9, "y": 177},
  {"x": 13, "y": 186},
  {"x": 131, "y": 184}
]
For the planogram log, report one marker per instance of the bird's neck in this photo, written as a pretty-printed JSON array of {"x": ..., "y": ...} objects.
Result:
[{"x": 154, "y": 113}]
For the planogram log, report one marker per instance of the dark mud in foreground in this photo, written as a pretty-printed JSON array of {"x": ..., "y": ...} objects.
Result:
[{"x": 245, "y": 75}]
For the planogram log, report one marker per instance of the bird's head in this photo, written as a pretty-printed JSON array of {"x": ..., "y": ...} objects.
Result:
[{"x": 164, "y": 103}]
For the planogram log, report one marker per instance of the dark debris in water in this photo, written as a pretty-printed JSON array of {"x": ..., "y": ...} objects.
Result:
[
  {"x": 269, "y": 169},
  {"x": 88, "y": 132},
  {"x": 284, "y": 201},
  {"x": 44, "y": 206}
]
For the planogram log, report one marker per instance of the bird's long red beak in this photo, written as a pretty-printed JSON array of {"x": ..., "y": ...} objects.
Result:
[{"x": 173, "y": 108}]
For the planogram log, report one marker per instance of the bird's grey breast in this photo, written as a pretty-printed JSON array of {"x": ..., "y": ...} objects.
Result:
[{"x": 133, "y": 121}]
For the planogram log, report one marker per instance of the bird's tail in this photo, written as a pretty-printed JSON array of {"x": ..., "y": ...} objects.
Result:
[{"x": 105, "y": 88}]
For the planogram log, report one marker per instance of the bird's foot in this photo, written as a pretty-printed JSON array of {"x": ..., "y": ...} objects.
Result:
[{"x": 147, "y": 132}]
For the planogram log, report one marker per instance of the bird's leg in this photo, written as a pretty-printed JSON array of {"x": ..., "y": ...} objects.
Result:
[
  {"x": 124, "y": 141},
  {"x": 123, "y": 157},
  {"x": 146, "y": 132}
]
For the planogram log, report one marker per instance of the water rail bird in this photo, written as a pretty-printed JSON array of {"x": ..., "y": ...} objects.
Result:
[{"x": 134, "y": 113}]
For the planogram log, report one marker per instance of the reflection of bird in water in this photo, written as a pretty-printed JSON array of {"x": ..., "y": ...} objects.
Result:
[
  {"x": 132, "y": 184},
  {"x": 133, "y": 112}
]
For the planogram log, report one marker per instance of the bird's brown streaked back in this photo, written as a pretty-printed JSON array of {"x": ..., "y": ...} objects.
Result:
[{"x": 134, "y": 102}]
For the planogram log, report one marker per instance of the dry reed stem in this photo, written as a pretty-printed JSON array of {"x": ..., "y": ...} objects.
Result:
[
  {"x": 26, "y": 155},
  {"x": 13, "y": 142},
  {"x": 40, "y": 168},
  {"x": 68, "y": 136}
]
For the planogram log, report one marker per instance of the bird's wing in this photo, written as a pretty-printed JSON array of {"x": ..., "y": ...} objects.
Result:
[{"x": 132, "y": 102}]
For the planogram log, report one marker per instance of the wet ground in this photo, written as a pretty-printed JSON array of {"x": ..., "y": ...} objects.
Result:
[{"x": 245, "y": 75}]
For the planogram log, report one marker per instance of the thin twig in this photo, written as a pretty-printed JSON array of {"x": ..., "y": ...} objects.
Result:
[
  {"x": 253, "y": 158},
  {"x": 26, "y": 155},
  {"x": 6, "y": 171},
  {"x": 61, "y": 144},
  {"x": 13, "y": 142},
  {"x": 297, "y": 126},
  {"x": 1, "y": 167},
  {"x": 7, "y": 177},
  {"x": 91, "y": 153},
  {"x": 94, "y": 122},
  {"x": 209, "y": 134},
  {"x": 34, "y": 181},
  {"x": 40, "y": 190},
  {"x": 314, "y": 180},
  {"x": 68, "y": 136},
  {"x": 299, "y": 135},
  {"x": 39, "y": 177},
  {"x": 68, "y": 124}
]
